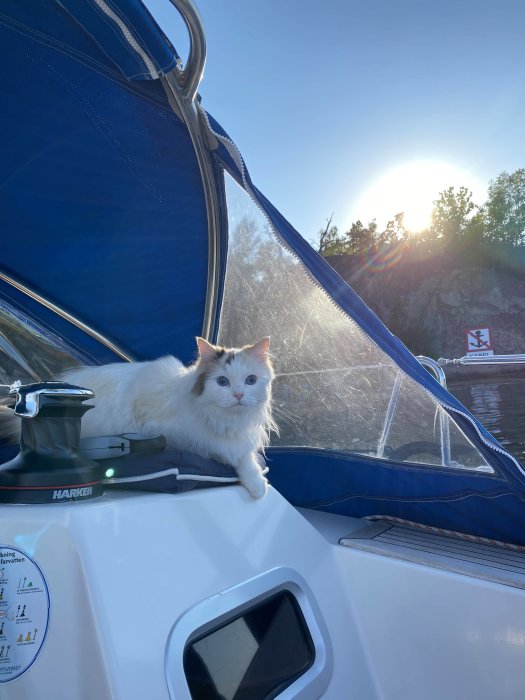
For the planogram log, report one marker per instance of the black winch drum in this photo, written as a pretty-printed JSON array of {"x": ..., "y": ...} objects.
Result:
[{"x": 49, "y": 468}]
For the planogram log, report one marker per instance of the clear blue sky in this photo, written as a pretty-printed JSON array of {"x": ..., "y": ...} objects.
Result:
[{"x": 323, "y": 98}]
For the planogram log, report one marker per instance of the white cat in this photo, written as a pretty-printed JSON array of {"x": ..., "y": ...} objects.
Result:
[{"x": 219, "y": 407}]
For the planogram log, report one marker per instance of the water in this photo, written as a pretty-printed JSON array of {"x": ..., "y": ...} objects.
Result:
[{"x": 499, "y": 404}]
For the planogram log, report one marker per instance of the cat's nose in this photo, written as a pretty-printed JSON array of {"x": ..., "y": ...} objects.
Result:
[{"x": 238, "y": 395}]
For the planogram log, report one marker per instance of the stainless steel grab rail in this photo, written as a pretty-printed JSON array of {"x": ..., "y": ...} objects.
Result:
[
  {"x": 484, "y": 360},
  {"x": 191, "y": 75},
  {"x": 435, "y": 367},
  {"x": 181, "y": 88},
  {"x": 444, "y": 423},
  {"x": 389, "y": 417}
]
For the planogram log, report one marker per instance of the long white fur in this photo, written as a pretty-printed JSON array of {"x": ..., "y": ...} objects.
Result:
[{"x": 160, "y": 397}]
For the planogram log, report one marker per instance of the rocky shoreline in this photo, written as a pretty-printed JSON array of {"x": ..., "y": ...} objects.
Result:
[{"x": 430, "y": 304}]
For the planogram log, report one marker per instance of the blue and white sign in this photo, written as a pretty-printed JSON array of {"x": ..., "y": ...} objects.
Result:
[{"x": 24, "y": 612}]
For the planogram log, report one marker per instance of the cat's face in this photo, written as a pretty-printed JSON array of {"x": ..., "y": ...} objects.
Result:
[{"x": 234, "y": 379}]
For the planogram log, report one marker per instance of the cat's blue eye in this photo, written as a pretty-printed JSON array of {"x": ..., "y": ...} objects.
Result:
[
  {"x": 251, "y": 379},
  {"x": 223, "y": 381}
]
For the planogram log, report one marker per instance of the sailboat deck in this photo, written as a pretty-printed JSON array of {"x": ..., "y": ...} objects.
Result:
[{"x": 492, "y": 562}]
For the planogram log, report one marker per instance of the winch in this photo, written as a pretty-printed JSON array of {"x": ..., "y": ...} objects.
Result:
[{"x": 49, "y": 467}]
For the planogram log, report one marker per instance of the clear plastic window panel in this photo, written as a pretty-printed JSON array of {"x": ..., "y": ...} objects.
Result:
[
  {"x": 28, "y": 352},
  {"x": 335, "y": 389}
]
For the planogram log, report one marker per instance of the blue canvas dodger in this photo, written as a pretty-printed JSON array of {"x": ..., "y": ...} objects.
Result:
[{"x": 104, "y": 219}]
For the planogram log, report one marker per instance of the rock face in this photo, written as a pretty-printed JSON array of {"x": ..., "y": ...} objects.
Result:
[{"x": 430, "y": 304}]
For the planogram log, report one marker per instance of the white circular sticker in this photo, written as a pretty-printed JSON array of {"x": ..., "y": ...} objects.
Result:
[{"x": 24, "y": 612}]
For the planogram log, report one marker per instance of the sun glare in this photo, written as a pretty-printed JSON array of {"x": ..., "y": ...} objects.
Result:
[{"x": 412, "y": 188}]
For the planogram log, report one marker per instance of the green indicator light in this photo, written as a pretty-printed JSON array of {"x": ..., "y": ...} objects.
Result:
[{"x": 110, "y": 473}]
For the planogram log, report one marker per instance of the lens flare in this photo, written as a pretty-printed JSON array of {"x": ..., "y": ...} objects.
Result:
[
  {"x": 385, "y": 257},
  {"x": 412, "y": 188}
]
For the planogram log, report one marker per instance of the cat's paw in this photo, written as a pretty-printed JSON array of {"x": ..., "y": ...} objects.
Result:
[{"x": 256, "y": 485}]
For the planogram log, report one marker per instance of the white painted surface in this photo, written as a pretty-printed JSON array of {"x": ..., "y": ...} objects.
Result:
[
  {"x": 122, "y": 569},
  {"x": 435, "y": 635},
  {"x": 430, "y": 634}
]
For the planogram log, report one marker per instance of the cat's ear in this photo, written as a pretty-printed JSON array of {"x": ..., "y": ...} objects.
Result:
[
  {"x": 206, "y": 350},
  {"x": 260, "y": 349}
]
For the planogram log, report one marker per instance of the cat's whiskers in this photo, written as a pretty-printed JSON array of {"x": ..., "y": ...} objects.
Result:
[{"x": 285, "y": 415}]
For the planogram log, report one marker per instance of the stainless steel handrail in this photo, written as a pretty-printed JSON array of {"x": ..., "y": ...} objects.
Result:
[
  {"x": 484, "y": 360},
  {"x": 435, "y": 367},
  {"x": 191, "y": 75},
  {"x": 69, "y": 317},
  {"x": 181, "y": 88},
  {"x": 444, "y": 422},
  {"x": 389, "y": 417}
]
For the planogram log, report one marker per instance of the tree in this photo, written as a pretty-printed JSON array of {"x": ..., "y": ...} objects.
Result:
[
  {"x": 360, "y": 238},
  {"x": 504, "y": 211},
  {"x": 330, "y": 242},
  {"x": 458, "y": 224},
  {"x": 395, "y": 231},
  {"x": 454, "y": 216}
]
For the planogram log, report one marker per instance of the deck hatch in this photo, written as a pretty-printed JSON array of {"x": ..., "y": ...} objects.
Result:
[
  {"x": 268, "y": 638},
  {"x": 255, "y": 655}
]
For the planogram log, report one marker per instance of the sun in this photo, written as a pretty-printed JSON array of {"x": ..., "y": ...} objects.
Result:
[{"x": 412, "y": 188}]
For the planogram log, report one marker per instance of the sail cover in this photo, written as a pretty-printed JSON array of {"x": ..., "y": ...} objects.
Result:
[{"x": 105, "y": 256}]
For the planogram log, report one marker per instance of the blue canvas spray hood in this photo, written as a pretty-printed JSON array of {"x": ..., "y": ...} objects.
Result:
[
  {"x": 106, "y": 242},
  {"x": 102, "y": 200}
]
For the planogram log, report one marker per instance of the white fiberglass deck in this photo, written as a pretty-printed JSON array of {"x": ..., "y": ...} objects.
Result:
[
  {"x": 429, "y": 630},
  {"x": 127, "y": 573},
  {"x": 486, "y": 561}
]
